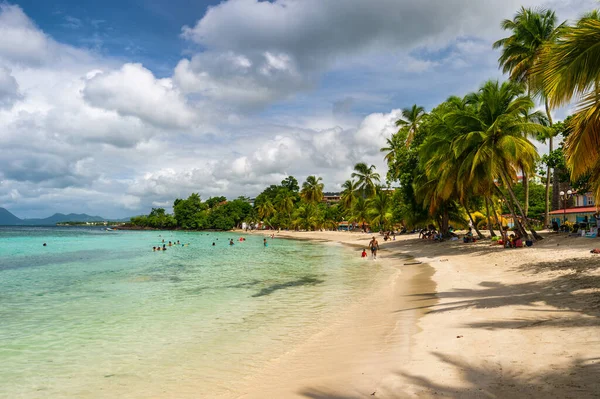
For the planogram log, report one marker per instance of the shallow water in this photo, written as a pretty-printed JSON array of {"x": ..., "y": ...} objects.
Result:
[{"x": 97, "y": 313}]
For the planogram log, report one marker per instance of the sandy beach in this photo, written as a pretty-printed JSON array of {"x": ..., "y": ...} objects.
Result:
[{"x": 455, "y": 320}]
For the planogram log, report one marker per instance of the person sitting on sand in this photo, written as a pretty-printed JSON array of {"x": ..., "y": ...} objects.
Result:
[
  {"x": 469, "y": 236},
  {"x": 364, "y": 253},
  {"x": 374, "y": 245}
]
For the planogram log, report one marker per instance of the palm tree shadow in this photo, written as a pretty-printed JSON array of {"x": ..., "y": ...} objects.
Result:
[
  {"x": 578, "y": 380},
  {"x": 304, "y": 281},
  {"x": 321, "y": 394},
  {"x": 576, "y": 292}
]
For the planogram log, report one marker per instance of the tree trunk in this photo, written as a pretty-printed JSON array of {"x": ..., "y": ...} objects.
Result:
[
  {"x": 473, "y": 222},
  {"x": 445, "y": 223},
  {"x": 511, "y": 209},
  {"x": 487, "y": 214},
  {"x": 525, "y": 183},
  {"x": 535, "y": 235},
  {"x": 548, "y": 170}
]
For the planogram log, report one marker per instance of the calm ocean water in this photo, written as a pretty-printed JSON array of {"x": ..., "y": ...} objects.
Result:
[{"x": 96, "y": 313}]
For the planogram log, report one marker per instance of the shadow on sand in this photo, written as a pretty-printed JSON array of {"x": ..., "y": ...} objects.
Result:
[
  {"x": 579, "y": 380},
  {"x": 306, "y": 280},
  {"x": 574, "y": 293}
]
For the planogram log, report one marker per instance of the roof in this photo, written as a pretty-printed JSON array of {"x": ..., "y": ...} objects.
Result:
[{"x": 580, "y": 209}]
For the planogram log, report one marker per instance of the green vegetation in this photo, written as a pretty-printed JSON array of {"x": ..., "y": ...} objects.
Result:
[{"x": 469, "y": 160}]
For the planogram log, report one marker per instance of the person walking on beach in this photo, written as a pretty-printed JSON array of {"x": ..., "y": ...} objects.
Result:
[{"x": 374, "y": 245}]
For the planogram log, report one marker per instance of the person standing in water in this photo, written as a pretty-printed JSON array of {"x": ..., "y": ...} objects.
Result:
[
  {"x": 231, "y": 241},
  {"x": 374, "y": 245},
  {"x": 265, "y": 242}
]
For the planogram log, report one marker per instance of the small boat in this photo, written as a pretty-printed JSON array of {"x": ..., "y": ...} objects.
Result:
[{"x": 109, "y": 229}]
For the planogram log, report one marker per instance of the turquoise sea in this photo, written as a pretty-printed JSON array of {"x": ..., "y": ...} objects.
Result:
[{"x": 97, "y": 313}]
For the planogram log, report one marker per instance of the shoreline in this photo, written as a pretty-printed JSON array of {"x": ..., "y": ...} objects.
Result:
[{"x": 497, "y": 323}]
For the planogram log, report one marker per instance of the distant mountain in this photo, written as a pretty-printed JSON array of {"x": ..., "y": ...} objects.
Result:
[
  {"x": 60, "y": 218},
  {"x": 8, "y": 219}
]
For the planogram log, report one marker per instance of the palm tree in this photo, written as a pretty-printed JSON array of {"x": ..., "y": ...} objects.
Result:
[
  {"x": 367, "y": 178},
  {"x": 285, "y": 202},
  {"x": 348, "y": 196},
  {"x": 312, "y": 190},
  {"x": 494, "y": 141},
  {"x": 572, "y": 69},
  {"x": 360, "y": 211},
  {"x": 380, "y": 209},
  {"x": 411, "y": 118},
  {"x": 266, "y": 209},
  {"x": 393, "y": 146},
  {"x": 533, "y": 31}
]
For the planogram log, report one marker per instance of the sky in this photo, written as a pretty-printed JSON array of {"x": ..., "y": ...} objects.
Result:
[{"x": 114, "y": 107}]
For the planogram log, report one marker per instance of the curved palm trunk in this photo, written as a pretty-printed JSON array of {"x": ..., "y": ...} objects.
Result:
[
  {"x": 511, "y": 209},
  {"x": 473, "y": 222},
  {"x": 548, "y": 170},
  {"x": 535, "y": 235},
  {"x": 487, "y": 215},
  {"x": 445, "y": 223},
  {"x": 526, "y": 190}
]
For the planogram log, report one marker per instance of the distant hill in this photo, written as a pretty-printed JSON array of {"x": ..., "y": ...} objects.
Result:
[{"x": 8, "y": 219}]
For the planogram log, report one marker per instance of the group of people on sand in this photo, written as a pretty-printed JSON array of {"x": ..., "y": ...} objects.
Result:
[
  {"x": 388, "y": 235},
  {"x": 373, "y": 246},
  {"x": 430, "y": 233}
]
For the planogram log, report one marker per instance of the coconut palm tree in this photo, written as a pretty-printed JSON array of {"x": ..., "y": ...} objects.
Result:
[
  {"x": 411, "y": 118},
  {"x": 360, "y": 211},
  {"x": 348, "y": 196},
  {"x": 572, "y": 69},
  {"x": 312, "y": 190},
  {"x": 266, "y": 209},
  {"x": 533, "y": 31},
  {"x": 380, "y": 209},
  {"x": 367, "y": 179},
  {"x": 494, "y": 141},
  {"x": 284, "y": 202},
  {"x": 393, "y": 145}
]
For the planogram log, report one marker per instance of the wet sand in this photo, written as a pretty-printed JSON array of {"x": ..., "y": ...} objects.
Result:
[{"x": 470, "y": 321}]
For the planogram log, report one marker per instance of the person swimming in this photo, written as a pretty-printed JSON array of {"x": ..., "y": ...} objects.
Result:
[
  {"x": 44, "y": 245},
  {"x": 231, "y": 241},
  {"x": 170, "y": 244},
  {"x": 154, "y": 249},
  {"x": 213, "y": 244},
  {"x": 177, "y": 242}
]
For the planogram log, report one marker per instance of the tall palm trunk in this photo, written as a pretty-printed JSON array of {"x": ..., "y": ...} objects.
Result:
[
  {"x": 535, "y": 235},
  {"x": 526, "y": 190},
  {"x": 487, "y": 215},
  {"x": 548, "y": 170},
  {"x": 472, "y": 221},
  {"x": 511, "y": 209}
]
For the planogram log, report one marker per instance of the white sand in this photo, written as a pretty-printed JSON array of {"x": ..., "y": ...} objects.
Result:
[{"x": 479, "y": 322}]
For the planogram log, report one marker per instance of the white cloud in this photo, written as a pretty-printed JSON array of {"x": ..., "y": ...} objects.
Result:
[
  {"x": 86, "y": 133},
  {"x": 134, "y": 91}
]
